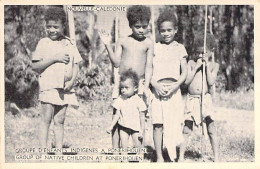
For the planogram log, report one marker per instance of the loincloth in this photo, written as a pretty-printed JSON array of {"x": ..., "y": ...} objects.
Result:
[
  {"x": 193, "y": 107},
  {"x": 169, "y": 112}
]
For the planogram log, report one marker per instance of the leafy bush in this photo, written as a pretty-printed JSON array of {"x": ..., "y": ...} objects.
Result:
[
  {"x": 21, "y": 82},
  {"x": 90, "y": 83}
]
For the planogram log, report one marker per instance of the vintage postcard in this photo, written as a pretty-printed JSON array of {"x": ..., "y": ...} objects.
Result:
[{"x": 170, "y": 84}]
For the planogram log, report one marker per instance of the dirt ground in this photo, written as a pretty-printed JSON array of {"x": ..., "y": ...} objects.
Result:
[{"x": 85, "y": 127}]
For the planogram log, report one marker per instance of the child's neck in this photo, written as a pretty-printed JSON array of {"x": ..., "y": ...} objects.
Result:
[
  {"x": 136, "y": 38},
  {"x": 167, "y": 43},
  {"x": 59, "y": 38}
]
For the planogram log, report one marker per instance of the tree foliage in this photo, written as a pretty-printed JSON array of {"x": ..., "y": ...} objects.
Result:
[{"x": 233, "y": 27}]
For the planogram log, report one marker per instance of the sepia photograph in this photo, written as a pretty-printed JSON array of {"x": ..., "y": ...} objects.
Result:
[{"x": 129, "y": 83}]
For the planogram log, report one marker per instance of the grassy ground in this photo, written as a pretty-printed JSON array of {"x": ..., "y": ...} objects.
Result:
[{"x": 85, "y": 127}]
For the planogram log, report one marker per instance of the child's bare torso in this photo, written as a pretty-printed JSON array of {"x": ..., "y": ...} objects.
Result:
[
  {"x": 195, "y": 87},
  {"x": 134, "y": 55}
]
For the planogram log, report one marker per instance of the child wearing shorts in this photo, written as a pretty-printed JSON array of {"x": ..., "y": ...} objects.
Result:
[
  {"x": 166, "y": 101},
  {"x": 56, "y": 59},
  {"x": 130, "y": 110},
  {"x": 194, "y": 88}
]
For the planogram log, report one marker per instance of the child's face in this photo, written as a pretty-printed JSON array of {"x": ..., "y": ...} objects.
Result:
[
  {"x": 127, "y": 88},
  {"x": 167, "y": 32},
  {"x": 139, "y": 29},
  {"x": 200, "y": 51},
  {"x": 54, "y": 29}
]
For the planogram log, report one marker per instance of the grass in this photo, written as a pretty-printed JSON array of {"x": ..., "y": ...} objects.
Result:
[
  {"x": 85, "y": 127},
  {"x": 239, "y": 99}
]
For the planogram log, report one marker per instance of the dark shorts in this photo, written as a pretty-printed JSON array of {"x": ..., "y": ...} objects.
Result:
[{"x": 189, "y": 123}]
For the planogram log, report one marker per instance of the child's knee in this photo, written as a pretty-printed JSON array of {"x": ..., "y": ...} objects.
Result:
[
  {"x": 188, "y": 127},
  {"x": 210, "y": 126},
  {"x": 59, "y": 120},
  {"x": 158, "y": 127},
  {"x": 46, "y": 118}
]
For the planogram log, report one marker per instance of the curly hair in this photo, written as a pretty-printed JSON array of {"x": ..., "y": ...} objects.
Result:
[
  {"x": 138, "y": 13},
  {"x": 130, "y": 74},
  {"x": 55, "y": 13},
  {"x": 199, "y": 41},
  {"x": 167, "y": 15}
]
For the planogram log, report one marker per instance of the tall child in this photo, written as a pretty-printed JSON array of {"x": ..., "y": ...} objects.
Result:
[
  {"x": 194, "y": 86},
  {"x": 56, "y": 59},
  {"x": 132, "y": 52},
  {"x": 166, "y": 103}
]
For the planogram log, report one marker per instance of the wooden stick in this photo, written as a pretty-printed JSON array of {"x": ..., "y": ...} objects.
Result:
[
  {"x": 70, "y": 22},
  {"x": 203, "y": 70}
]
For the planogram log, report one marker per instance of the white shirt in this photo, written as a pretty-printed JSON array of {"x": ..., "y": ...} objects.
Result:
[{"x": 167, "y": 60}]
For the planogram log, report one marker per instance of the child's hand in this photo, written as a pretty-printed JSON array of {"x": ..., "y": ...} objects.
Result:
[
  {"x": 198, "y": 63},
  {"x": 172, "y": 88},
  {"x": 159, "y": 89},
  {"x": 109, "y": 129},
  {"x": 104, "y": 36},
  {"x": 140, "y": 136},
  {"x": 62, "y": 58},
  {"x": 68, "y": 86}
]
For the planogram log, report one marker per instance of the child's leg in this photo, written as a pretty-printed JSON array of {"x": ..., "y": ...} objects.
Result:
[
  {"x": 136, "y": 141},
  {"x": 157, "y": 137},
  {"x": 115, "y": 134},
  {"x": 124, "y": 136},
  {"x": 44, "y": 124},
  {"x": 59, "y": 118},
  {"x": 187, "y": 129},
  {"x": 212, "y": 136}
]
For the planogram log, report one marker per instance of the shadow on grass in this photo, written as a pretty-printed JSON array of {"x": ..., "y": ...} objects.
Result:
[
  {"x": 192, "y": 154},
  {"x": 151, "y": 154}
]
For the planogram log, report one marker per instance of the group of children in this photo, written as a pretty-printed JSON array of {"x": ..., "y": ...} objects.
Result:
[{"x": 150, "y": 79}]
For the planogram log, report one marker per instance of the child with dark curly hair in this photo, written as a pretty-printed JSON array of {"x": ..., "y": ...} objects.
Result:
[
  {"x": 132, "y": 52},
  {"x": 167, "y": 105},
  {"x": 193, "y": 83},
  {"x": 130, "y": 110},
  {"x": 56, "y": 59}
]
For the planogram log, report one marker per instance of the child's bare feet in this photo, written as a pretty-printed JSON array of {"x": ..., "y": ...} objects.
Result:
[
  {"x": 109, "y": 130},
  {"x": 160, "y": 159}
]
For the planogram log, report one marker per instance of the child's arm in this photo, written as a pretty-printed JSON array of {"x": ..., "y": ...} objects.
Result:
[
  {"x": 158, "y": 87},
  {"x": 149, "y": 65},
  {"x": 211, "y": 73},
  {"x": 191, "y": 72},
  {"x": 114, "y": 121},
  {"x": 69, "y": 84},
  {"x": 181, "y": 79},
  {"x": 184, "y": 72},
  {"x": 40, "y": 66},
  {"x": 115, "y": 57},
  {"x": 142, "y": 123}
]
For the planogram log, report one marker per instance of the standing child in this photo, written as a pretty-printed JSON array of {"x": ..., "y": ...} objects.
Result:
[
  {"x": 194, "y": 84},
  {"x": 166, "y": 103},
  {"x": 132, "y": 52},
  {"x": 56, "y": 58},
  {"x": 130, "y": 109}
]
